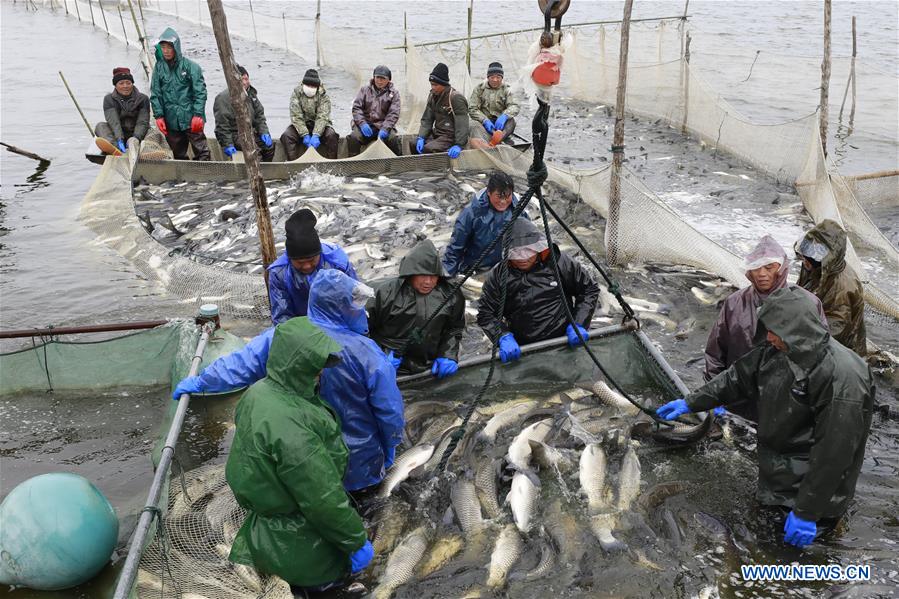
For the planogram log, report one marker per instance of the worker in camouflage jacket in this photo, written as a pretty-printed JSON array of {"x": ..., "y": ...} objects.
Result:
[
  {"x": 492, "y": 108},
  {"x": 376, "y": 111},
  {"x": 226, "y": 123},
  {"x": 178, "y": 98},
  {"x": 310, "y": 120},
  {"x": 826, "y": 274},
  {"x": 815, "y": 399},
  {"x": 444, "y": 124},
  {"x": 127, "y": 111}
]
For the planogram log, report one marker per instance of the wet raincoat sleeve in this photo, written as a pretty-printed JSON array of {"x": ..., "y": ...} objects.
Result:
[
  {"x": 240, "y": 368},
  {"x": 512, "y": 107},
  {"x": 260, "y": 124},
  {"x": 427, "y": 118},
  {"x": 225, "y": 124},
  {"x": 198, "y": 84},
  {"x": 460, "y": 118},
  {"x": 387, "y": 404},
  {"x": 451, "y": 336},
  {"x": 455, "y": 251},
  {"x": 279, "y": 295},
  {"x": 474, "y": 104},
  {"x": 736, "y": 383},
  {"x": 359, "y": 108},
  {"x": 393, "y": 113},
  {"x": 322, "y": 114},
  {"x": 489, "y": 318},
  {"x": 715, "y": 347},
  {"x": 142, "y": 124},
  {"x": 156, "y": 90},
  {"x": 841, "y": 425},
  {"x": 306, "y": 470},
  {"x": 297, "y": 119},
  {"x": 111, "y": 114},
  {"x": 581, "y": 285}
]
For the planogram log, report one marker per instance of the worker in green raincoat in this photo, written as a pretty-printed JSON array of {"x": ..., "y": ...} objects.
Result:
[
  {"x": 815, "y": 399},
  {"x": 286, "y": 469}
]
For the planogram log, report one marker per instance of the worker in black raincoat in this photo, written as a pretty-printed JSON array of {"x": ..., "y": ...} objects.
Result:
[
  {"x": 534, "y": 310},
  {"x": 402, "y": 305},
  {"x": 815, "y": 399}
]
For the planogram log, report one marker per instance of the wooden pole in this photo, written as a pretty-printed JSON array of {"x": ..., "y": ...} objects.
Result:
[
  {"x": 103, "y": 14},
  {"x": 850, "y": 81},
  {"x": 26, "y": 153},
  {"x": 686, "y": 71},
  {"x": 122, "y": 21},
  {"x": 618, "y": 140},
  {"x": 77, "y": 11},
  {"x": 81, "y": 112},
  {"x": 253, "y": 18},
  {"x": 284, "y": 22},
  {"x": 142, "y": 39},
  {"x": 468, "y": 45},
  {"x": 405, "y": 34},
  {"x": 90, "y": 6},
  {"x": 318, "y": 41},
  {"x": 244, "y": 132},
  {"x": 66, "y": 4},
  {"x": 825, "y": 78}
]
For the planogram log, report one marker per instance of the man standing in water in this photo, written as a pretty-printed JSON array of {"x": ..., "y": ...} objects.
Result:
[
  {"x": 492, "y": 108},
  {"x": 533, "y": 310},
  {"x": 290, "y": 276},
  {"x": 479, "y": 224},
  {"x": 285, "y": 468},
  {"x": 402, "y": 305},
  {"x": 226, "y": 123},
  {"x": 444, "y": 124},
  {"x": 376, "y": 111},
  {"x": 127, "y": 111},
  {"x": 733, "y": 334},
  {"x": 826, "y": 274},
  {"x": 178, "y": 98},
  {"x": 815, "y": 399}
]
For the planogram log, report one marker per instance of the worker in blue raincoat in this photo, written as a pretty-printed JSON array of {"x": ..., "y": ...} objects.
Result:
[
  {"x": 361, "y": 389},
  {"x": 290, "y": 275}
]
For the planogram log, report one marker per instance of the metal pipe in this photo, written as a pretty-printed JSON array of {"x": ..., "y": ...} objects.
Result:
[
  {"x": 530, "y": 348},
  {"x": 132, "y": 562},
  {"x": 91, "y": 328},
  {"x": 584, "y": 24}
]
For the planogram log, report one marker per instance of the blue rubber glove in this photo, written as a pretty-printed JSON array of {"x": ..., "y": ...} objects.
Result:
[
  {"x": 389, "y": 457},
  {"x": 444, "y": 367},
  {"x": 266, "y": 139},
  {"x": 420, "y": 145},
  {"x": 190, "y": 384},
  {"x": 488, "y": 125},
  {"x": 799, "y": 532},
  {"x": 366, "y": 130},
  {"x": 719, "y": 411},
  {"x": 230, "y": 150},
  {"x": 454, "y": 152},
  {"x": 361, "y": 558},
  {"x": 315, "y": 141},
  {"x": 383, "y": 134},
  {"x": 508, "y": 348},
  {"x": 573, "y": 339},
  {"x": 673, "y": 409},
  {"x": 395, "y": 361},
  {"x": 120, "y": 144},
  {"x": 307, "y": 140},
  {"x": 501, "y": 122}
]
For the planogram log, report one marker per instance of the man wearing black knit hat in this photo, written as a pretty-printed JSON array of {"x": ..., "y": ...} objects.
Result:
[
  {"x": 444, "y": 124},
  {"x": 226, "y": 122},
  {"x": 290, "y": 276},
  {"x": 492, "y": 108},
  {"x": 376, "y": 111},
  {"x": 310, "y": 120},
  {"x": 127, "y": 113}
]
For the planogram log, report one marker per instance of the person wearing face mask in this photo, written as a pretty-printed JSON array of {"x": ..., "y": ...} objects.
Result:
[
  {"x": 815, "y": 401},
  {"x": 310, "y": 120},
  {"x": 533, "y": 310},
  {"x": 127, "y": 113},
  {"x": 361, "y": 388},
  {"x": 376, "y": 111},
  {"x": 733, "y": 334},
  {"x": 290, "y": 276},
  {"x": 492, "y": 109},
  {"x": 444, "y": 123},
  {"x": 178, "y": 98},
  {"x": 479, "y": 223},
  {"x": 403, "y": 304},
  {"x": 226, "y": 124}
]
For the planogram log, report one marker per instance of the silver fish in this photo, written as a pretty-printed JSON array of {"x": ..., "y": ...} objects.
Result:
[
  {"x": 546, "y": 564},
  {"x": 592, "y": 475},
  {"x": 505, "y": 419},
  {"x": 523, "y": 499},
  {"x": 549, "y": 458},
  {"x": 519, "y": 453},
  {"x": 441, "y": 551},
  {"x": 465, "y": 503},
  {"x": 403, "y": 467},
  {"x": 505, "y": 553},
  {"x": 628, "y": 479},
  {"x": 485, "y": 484},
  {"x": 402, "y": 562},
  {"x": 612, "y": 398},
  {"x": 391, "y": 522},
  {"x": 602, "y": 525}
]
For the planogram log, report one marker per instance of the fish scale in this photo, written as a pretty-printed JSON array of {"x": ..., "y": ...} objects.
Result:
[
  {"x": 505, "y": 554},
  {"x": 465, "y": 503},
  {"x": 402, "y": 562}
]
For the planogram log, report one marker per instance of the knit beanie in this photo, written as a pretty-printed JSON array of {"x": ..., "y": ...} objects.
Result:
[
  {"x": 311, "y": 78},
  {"x": 302, "y": 238},
  {"x": 120, "y": 74},
  {"x": 382, "y": 71},
  {"x": 242, "y": 71},
  {"x": 495, "y": 68},
  {"x": 440, "y": 74}
]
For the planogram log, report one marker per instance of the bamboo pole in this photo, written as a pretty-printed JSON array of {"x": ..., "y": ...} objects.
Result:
[
  {"x": 852, "y": 68},
  {"x": 850, "y": 81},
  {"x": 142, "y": 40},
  {"x": 81, "y": 112},
  {"x": 571, "y": 26},
  {"x": 405, "y": 33},
  {"x": 284, "y": 22},
  {"x": 91, "y": 7},
  {"x": 686, "y": 74},
  {"x": 77, "y": 11},
  {"x": 253, "y": 18},
  {"x": 825, "y": 78},
  {"x": 103, "y": 14},
  {"x": 122, "y": 21},
  {"x": 66, "y": 4},
  {"x": 618, "y": 140},
  {"x": 468, "y": 45},
  {"x": 318, "y": 24},
  {"x": 245, "y": 132}
]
